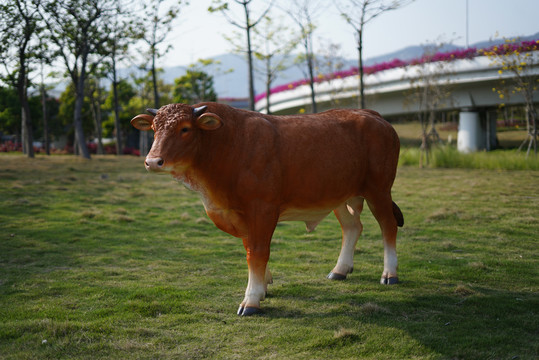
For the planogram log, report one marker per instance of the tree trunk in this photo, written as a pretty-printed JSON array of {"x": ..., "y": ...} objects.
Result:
[
  {"x": 534, "y": 119},
  {"x": 45, "y": 118},
  {"x": 98, "y": 131},
  {"x": 249, "y": 60},
  {"x": 532, "y": 128},
  {"x": 154, "y": 80},
  {"x": 79, "y": 132},
  {"x": 268, "y": 94},
  {"x": 76, "y": 150},
  {"x": 117, "y": 124},
  {"x": 77, "y": 119},
  {"x": 433, "y": 134},
  {"x": 251, "y": 77},
  {"x": 310, "y": 68},
  {"x": 24, "y": 146},
  {"x": 424, "y": 153},
  {"x": 360, "y": 69},
  {"x": 26, "y": 125},
  {"x": 268, "y": 84},
  {"x": 96, "y": 114},
  {"x": 311, "y": 83},
  {"x": 28, "y": 138},
  {"x": 143, "y": 143},
  {"x": 99, "y": 122},
  {"x": 424, "y": 148}
]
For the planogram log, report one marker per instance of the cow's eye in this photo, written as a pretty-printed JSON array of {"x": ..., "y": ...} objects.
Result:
[{"x": 184, "y": 130}]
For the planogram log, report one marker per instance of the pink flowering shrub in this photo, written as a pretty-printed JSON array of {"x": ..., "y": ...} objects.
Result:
[
  {"x": 9, "y": 146},
  {"x": 460, "y": 54}
]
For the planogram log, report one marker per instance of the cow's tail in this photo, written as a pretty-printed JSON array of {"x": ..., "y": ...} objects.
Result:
[{"x": 398, "y": 215}]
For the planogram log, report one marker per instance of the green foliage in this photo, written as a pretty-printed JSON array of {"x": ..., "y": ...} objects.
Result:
[
  {"x": 450, "y": 157},
  {"x": 20, "y": 21},
  {"x": 155, "y": 33},
  {"x": 218, "y": 5},
  {"x": 101, "y": 259},
  {"x": 10, "y": 111},
  {"x": 126, "y": 92},
  {"x": 519, "y": 59},
  {"x": 194, "y": 87},
  {"x": 67, "y": 109}
]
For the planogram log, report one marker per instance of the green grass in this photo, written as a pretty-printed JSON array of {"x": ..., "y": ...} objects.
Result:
[
  {"x": 410, "y": 134},
  {"x": 99, "y": 259},
  {"x": 447, "y": 156}
]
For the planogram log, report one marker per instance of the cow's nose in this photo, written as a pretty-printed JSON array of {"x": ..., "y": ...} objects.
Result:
[{"x": 153, "y": 163}]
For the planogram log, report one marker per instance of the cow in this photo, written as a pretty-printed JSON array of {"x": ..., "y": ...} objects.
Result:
[{"x": 254, "y": 170}]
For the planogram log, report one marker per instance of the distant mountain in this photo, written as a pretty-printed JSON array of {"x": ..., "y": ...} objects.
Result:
[
  {"x": 413, "y": 52},
  {"x": 408, "y": 53},
  {"x": 230, "y": 75}
]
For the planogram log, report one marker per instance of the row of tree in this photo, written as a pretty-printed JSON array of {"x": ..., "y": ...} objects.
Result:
[
  {"x": 103, "y": 104},
  {"x": 272, "y": 47},
  {"x": 90, "y": 39}
]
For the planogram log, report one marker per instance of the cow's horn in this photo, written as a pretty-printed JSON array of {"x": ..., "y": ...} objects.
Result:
[
  {"x": 199, "y": 110},
  {"x": 152, "y": 111}
]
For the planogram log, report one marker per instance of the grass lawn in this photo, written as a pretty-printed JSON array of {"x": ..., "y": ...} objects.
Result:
[
  {"x": 410, "y": 135},
  {"x": 99, "y": 259}
]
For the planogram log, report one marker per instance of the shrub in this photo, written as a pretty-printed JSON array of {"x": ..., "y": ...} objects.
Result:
[{"x": 449, "y": 157}]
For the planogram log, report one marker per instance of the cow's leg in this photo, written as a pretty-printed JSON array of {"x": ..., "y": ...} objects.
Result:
[
  {"x": 257, "y": 259},
  {"x": 257, "y": 245},
  {"x": 382, "y": 209},
  {"x": 348, "y": 215}
]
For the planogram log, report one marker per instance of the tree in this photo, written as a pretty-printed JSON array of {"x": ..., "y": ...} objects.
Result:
[
  {"x": 21, "y": 25},
  {"x": 138, "y": 104},
  {"x": 359, "y": 13},
  {"x": 274, "y": 51},
  {"x": 79, "y": 29},
  {"x": 44, "y": 59},
  {"x": 247, "y": 25},
  {"x": 519, "y": 60},
  {"x": 68, "y": 102},
  {"x": 303, "y": 12},
  {"x": 429, "y": 90},
  {"x": 120, "y": 99},
  {"x": 122, "y": 33},
  {"x": 155, "y": 34},
  {"x": 94, "y": 97},
  {"x": 10, "y": 111},
  {"x": 196, "y": 85},
  {"x": 328, "y": 64}
]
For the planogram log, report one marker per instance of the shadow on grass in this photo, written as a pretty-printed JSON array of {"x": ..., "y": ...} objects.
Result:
[{"x": 457, "y": 322}]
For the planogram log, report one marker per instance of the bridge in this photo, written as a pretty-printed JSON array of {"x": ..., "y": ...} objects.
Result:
[{"x": 470, "y": 82}]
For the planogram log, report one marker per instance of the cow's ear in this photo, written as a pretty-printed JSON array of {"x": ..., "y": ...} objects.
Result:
[
  {"x": 209, "y": 121},
  {"x": 142, "y": 122}
]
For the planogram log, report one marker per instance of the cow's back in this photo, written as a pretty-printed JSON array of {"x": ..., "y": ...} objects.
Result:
[{"x": 334, "y": 155}]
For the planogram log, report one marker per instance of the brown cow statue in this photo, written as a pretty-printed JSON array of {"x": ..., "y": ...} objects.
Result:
[{"x": 254, "y": 170}]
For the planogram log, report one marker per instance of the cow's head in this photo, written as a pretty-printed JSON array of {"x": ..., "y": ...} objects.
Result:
[{"x": 177, "y": 129}]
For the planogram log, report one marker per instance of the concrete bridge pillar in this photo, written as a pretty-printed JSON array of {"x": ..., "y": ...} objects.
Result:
[{"x": 477, "y": 131}]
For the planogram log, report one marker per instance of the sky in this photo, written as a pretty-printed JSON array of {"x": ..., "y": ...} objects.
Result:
[{"x": 199, "y": 34}]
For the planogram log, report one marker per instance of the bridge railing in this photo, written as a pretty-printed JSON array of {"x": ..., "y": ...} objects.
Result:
[{"x": 468, "y": 65}]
